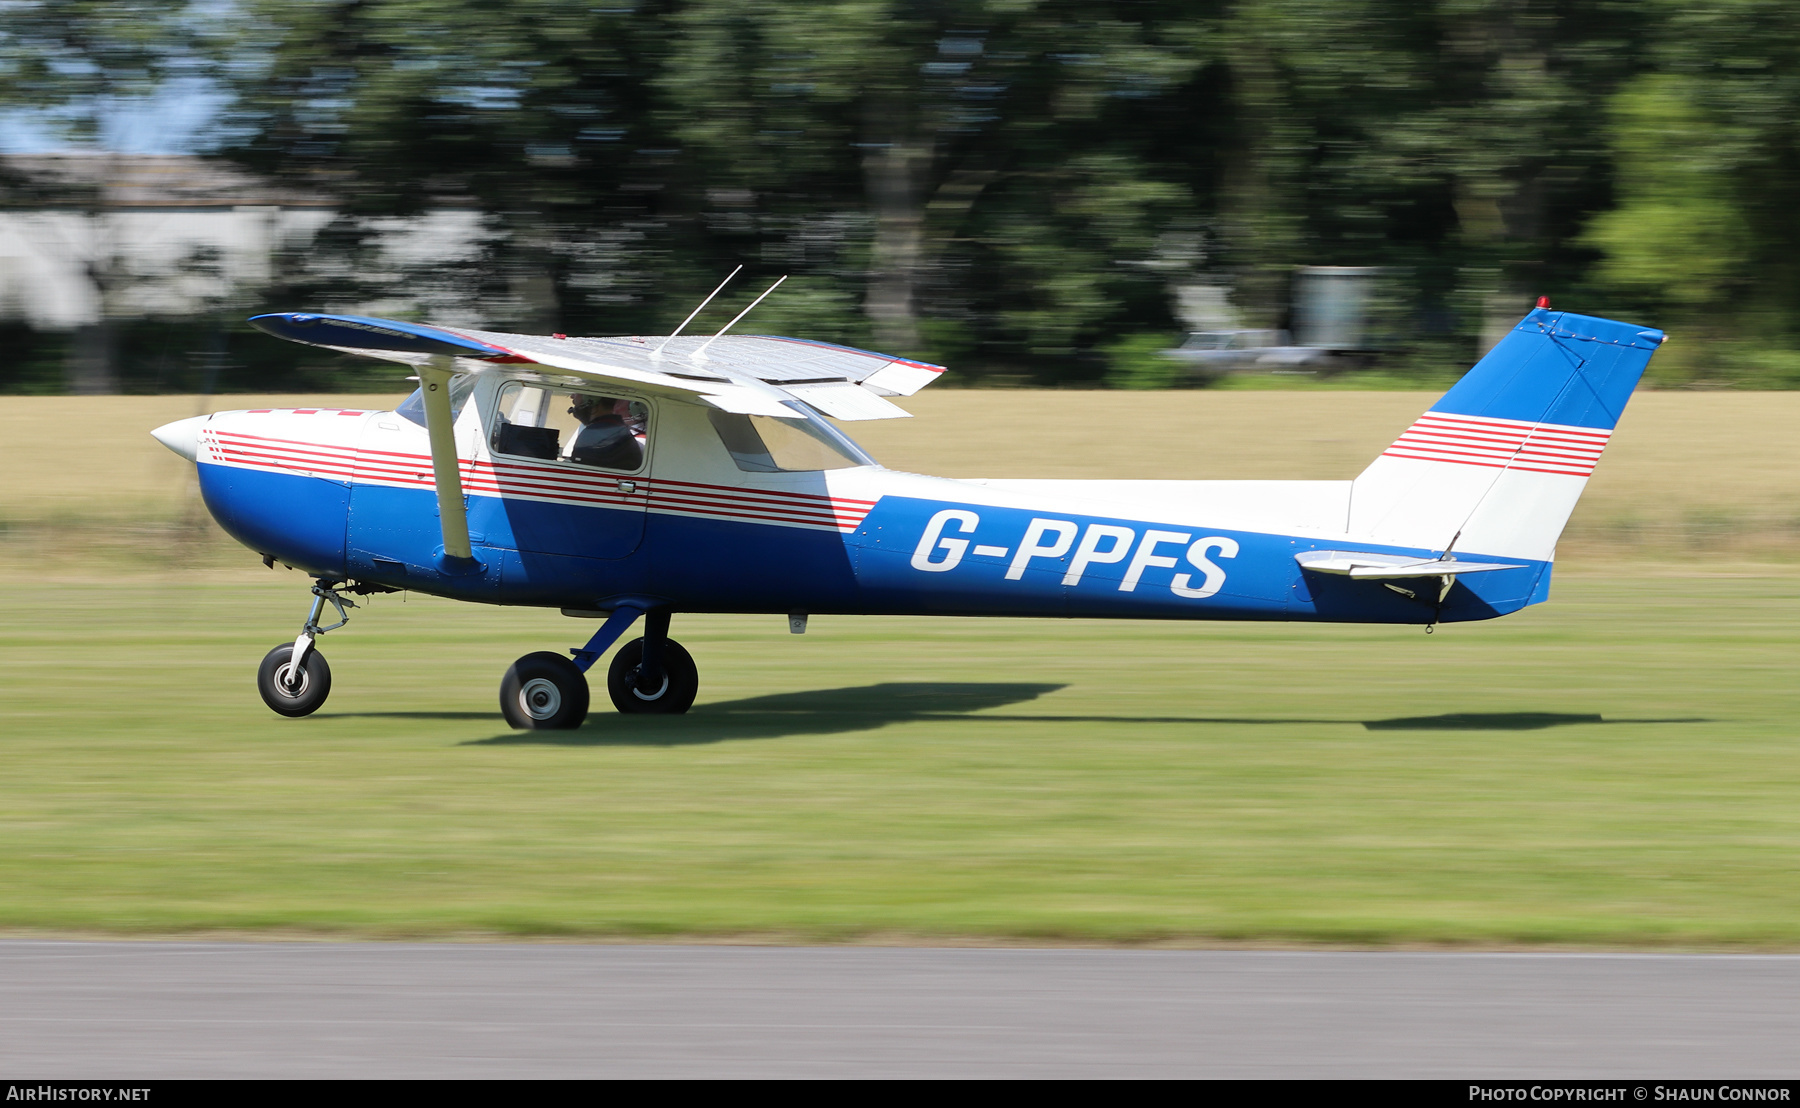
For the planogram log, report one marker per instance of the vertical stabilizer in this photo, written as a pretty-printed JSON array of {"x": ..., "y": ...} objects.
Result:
[{"x": 1496, "y": 466}]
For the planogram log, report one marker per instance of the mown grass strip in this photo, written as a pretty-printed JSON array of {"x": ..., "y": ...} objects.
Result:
[{"x": 1616, "y": 768}]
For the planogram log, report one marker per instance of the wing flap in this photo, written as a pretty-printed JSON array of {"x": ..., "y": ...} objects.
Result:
[
  {"x": 844, "y": 400},
  {"x": 745, "y": 401}
]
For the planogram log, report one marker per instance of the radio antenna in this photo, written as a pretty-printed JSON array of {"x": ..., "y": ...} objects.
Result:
[
  {"x": 657, "y": 353},
  {"x": 740, "y": 315}
]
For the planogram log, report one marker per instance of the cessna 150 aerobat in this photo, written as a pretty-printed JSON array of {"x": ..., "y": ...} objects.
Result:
[{"x": 621, "y": 478}]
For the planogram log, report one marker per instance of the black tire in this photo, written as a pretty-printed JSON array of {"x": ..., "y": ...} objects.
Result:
[
  {"x": 279, "y": 694},
  {"x": 675, "y": 693},
  {"x": 544, "y": 692}
]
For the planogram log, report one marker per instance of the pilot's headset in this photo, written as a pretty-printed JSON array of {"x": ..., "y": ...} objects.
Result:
[{"x": 586, "y": 406}]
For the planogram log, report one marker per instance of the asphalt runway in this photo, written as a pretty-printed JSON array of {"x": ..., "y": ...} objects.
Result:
[{"x": 169, "y": 1010}]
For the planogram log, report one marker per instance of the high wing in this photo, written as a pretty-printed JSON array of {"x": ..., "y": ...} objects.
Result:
[{"x": 750, "y": 374}]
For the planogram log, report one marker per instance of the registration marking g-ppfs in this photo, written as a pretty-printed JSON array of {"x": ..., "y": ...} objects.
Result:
[{"x": 948, "y": 539}]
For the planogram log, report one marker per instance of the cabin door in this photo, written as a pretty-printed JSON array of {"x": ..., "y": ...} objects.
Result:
[{"x": 569, "y": 468}]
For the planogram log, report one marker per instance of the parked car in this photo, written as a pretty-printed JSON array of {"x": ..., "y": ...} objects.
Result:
[{"x": 1214, "y": 352}]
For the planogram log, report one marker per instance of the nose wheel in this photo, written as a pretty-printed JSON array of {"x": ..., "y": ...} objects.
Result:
[
  {"x": 293, "y": 678},
  {"x": 289, "y": 690}
]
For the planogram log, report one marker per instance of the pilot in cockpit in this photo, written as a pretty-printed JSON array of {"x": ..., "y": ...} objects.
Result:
[{"x": 611, "y": 435}]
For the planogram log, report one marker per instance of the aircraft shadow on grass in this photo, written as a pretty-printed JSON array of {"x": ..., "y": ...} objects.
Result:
[
  {"x": 813, "y": 712},
  {"x": 406, "y": 715},
  {"x": 1503, "y": 721},
  {"x": 868, "y": 707}
]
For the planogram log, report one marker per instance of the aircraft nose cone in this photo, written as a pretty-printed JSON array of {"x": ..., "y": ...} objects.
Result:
[{"x": 182, "y": 436}]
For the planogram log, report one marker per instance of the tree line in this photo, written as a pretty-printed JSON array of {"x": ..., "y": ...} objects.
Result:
[{"x": 1020, "y": 189}]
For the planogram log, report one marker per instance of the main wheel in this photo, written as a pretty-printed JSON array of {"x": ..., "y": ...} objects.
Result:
[
  {"x": 544, "y": 692},
  {"x": 289, "y": 693},
  {"x": 674, "y": 690}
]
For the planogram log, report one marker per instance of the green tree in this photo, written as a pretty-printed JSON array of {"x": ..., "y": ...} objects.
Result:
[
  {"x": 1680, "y": 234},
  {"x": 70, "y": 62},
  {"x": 1002, "y": 199},
  {"x": 1704, "y": 235},
  {"x": 1451, "y": 140},
  {"x": 68, "y": 66},
  {"x": 534, "y": 113},
  {"x": 1012, "y": 186}
]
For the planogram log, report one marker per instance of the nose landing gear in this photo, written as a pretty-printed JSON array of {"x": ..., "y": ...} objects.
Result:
[
  {"x": 294, "y": 679},
  {"x": 289, "y": 690}
]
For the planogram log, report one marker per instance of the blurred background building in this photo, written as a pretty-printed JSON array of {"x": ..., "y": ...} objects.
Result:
[{"x": 1049, "y": 193}]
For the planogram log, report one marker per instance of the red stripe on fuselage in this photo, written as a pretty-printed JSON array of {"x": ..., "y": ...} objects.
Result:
[{"x": 552, "y": 483}]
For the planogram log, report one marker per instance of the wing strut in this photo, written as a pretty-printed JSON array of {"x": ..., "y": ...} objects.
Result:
[{"x": 434, "y": 386}]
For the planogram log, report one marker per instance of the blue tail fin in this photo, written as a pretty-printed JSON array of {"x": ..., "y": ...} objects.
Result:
[
  {"x": 1494, "y": 468},
  {"x": 1559, "y": 368}
]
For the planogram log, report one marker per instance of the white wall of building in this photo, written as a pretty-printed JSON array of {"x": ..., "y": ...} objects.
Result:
[
  {"x": 184, "y": 236},
  {"x": 62, "y": 269}
]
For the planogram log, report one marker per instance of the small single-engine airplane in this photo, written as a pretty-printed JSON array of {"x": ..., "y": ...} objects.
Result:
[{"x": 623, "y": 477}]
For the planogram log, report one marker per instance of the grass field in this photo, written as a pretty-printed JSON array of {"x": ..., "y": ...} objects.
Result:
[{"x": 1617, "y": 768}]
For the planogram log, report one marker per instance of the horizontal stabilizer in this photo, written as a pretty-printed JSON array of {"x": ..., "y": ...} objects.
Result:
[{"x": 1379, "y": 567}]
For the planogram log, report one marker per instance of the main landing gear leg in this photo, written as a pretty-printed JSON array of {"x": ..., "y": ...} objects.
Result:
[
  {"x": 654, "y": 674},
  {"x": 650, "y": 678},
  {"x": 545, "y": 691},
  {"x": 293, "y": 678}
]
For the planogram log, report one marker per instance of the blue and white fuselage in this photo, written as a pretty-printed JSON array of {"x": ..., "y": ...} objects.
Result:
[{"x": 1457, "y": 520}]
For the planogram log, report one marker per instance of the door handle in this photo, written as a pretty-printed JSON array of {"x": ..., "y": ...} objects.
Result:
[{"x": 627, "y": 486}]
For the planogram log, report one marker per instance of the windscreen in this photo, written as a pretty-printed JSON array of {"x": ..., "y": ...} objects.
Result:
[
  {"x": 413, "y": 407},
  {"x": 768, "y": 444}
]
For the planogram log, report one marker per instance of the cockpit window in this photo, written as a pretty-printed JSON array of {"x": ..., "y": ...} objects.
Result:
[
  {"x": 770, "y": 444},
  {"x": 587, "y": 428},
  {"x": 413, "y": 407}
]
